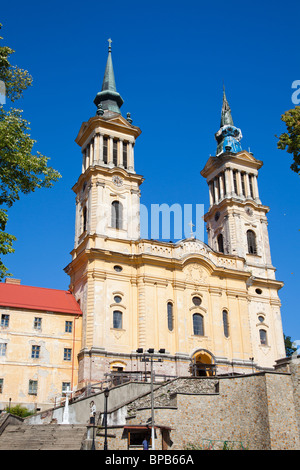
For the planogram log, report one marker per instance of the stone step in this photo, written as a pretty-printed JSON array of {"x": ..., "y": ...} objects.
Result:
[{"x": 42, "y": 437}]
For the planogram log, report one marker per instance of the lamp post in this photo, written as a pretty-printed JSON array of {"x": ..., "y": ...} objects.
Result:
[
  {"x": 149, "y": 358},
  {"x": 106, "y": 394}
]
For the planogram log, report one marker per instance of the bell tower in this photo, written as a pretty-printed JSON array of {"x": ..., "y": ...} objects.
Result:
[
  {"x": 107, "y": 191},
  {"x": 236, "y": 219}
]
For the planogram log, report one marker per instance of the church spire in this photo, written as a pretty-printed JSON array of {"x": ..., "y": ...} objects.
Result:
[
  {"x": 108, "y": 99},
  {"x": 228, "y": 136}
]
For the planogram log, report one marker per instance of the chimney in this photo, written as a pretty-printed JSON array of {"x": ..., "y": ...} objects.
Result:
[{"x": 11, "y": 280}]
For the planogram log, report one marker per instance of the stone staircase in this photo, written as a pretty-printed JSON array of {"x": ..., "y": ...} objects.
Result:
[{"x": 43, "y": 437}]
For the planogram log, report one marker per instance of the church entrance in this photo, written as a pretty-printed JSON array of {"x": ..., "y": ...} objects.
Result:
[{"x": 203, "y": 364}]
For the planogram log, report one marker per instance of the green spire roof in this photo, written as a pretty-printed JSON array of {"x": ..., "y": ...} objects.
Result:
[
  {"x": 108, "y": 99},
  {"x": 226, "y": 117}
]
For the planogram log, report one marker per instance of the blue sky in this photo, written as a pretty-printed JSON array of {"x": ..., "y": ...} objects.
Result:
[{"x": 170, "y": 60}]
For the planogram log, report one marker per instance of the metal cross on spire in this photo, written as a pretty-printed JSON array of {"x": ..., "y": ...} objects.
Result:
[
  {"x": 191, "y": 225},
  {"x": 109, "y": 44}
]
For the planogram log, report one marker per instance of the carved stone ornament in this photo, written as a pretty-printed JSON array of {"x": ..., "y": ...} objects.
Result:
[{"x": 195, "y": 273}]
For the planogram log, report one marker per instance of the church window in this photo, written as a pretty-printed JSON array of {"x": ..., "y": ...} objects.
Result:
[
  {"x": 224, "y": 183},
  {"x": 263, "y": 337},
  {"x": 258, "y": 291},
  {"x": 235, "y": 182},
  {"x": 261, "y": 318},
  {"x": 220, "y": 243},
  {"x": 115, "y": 152},
  {"x": 117, "y": 319},
  {"x": 251, "y": 240},
  {"x": 118, "y": 269},
  {"x": 170, "y": 316},
  {"x": 125, "y": 155},
  {"x": 226, "y": 323},
  {"x": 116, "y": 215},
  {"x": 1, "y": 385},
  {"x": 251, "y": 186},
  {"x": 243, "y": 175},
  {"x": 84, "y": 218},
  {"x": 198, "y": 324},
  {"x": 197, "y": 301},
  {"x": 117, "y": 299},
  {"x": 105, "y": 151}
]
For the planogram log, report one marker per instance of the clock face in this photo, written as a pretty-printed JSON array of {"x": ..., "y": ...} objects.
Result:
[{"x": 117, "y": 181}]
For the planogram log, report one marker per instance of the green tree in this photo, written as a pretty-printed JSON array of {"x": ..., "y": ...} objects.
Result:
[
  {"x": 290, "y": 140},
  {"x": 21, "y": 171},
  {"x": 289, "y": 348}
]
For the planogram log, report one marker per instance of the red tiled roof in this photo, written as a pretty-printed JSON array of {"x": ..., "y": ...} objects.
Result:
[{"x": 38, "y": 298}]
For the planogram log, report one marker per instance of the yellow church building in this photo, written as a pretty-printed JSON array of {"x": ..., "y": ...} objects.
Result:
[{"x": 211, "y": 309}]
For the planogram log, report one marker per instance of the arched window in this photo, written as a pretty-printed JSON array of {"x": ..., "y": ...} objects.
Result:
[
  {"x": 198, "y": 324},
  {"x": 84, "y": 215},
  {"x": 117, "y": 319},
  {"x": 170, "y": 316},
  {"x": 225, "y": 323},
  {"x": 116, "y": 214},
  {"x": 263, "y": 337},
  {"x": 220, "y": 243},
  {"x": 251, "y": 240}
]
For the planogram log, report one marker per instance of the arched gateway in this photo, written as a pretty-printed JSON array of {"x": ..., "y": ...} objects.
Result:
[{"x": 203, "y": 363}]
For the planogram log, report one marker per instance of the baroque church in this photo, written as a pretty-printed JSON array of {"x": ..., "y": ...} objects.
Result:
[{"x": 200, "y": 309}]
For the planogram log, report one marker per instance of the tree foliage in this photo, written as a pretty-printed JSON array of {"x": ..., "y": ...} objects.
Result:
[
  {"x": 21, "y": 171},
  {"x": 289, "y": 348},
  {"x": 290, "y": 140}
]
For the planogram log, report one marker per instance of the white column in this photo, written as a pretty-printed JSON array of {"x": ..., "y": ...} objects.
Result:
[
  {"x": 255, "y": 188},
  {"x": 211, "y": 196},
  {"x": 247, "y": 186},
  {"x": 232, "y": 191},
  {"x": 130, "y": 156},
  {"x": 221, "y": 186},
  {"x": 239, "y": 183},
  {"x": 89, "y": 152},
  {"x": 83, "y": 160},
  {"x": 216, "y": 191},
  {"x": 227, "y": 181},
  {"x": 100, "y": 148}
]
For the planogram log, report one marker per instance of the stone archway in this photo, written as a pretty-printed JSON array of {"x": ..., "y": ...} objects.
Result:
[{"x": 203, "y": 363}]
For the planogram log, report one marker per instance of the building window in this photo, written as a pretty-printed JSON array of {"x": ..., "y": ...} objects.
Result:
[
  {"x": 1, "y": 385},
  {"x": 220, "y": 241},
  {"x": 263, "y": 337},
  {"x": 115, "y": 152},
  {"x": 3, "y": 348},
  {"x": 224, "y": 183},
  {"x": 225, "y": 323},
  {"x": 4, "y": 320},
  {"x": 32, "y": 388},
  {"x": 37, "y": 323},
  {"x": 197, "y": 301},
  {"x": 251, "y": 240},
  {"x": 68, "y": 326},
  {"x": 67, "y": 354},
  {"x": 116, "y": 215},
  {"x": 170, "y": 316},
  {"x": 105, "y": 152},
  {"x": 117, "y": 319},
  {"x": 125, "y": 155},
  {"x": 66, "y": 386},
  {"x": 84, "y": 218},
  {"x": 251, "y": 186},
  {"x": 198, "y": 324},
  {"x": 243, "y": 175},
  {"x": 235, "y": 182},
  {"x": 35, "y": 351},
  {"x": 117, "y": 299}
]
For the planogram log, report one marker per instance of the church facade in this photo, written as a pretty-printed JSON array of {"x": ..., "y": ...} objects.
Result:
[
  {"x": 212, "y": 308},
  {"x": 200, "y": 309}
]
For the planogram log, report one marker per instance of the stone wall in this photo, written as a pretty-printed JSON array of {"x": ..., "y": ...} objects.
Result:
[{"x": 256, "y": 412}]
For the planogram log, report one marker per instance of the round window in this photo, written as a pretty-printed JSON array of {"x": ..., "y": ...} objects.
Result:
[
  {"x": 261, "y": 318},
  {"x": 117, "y": 299},
  {"x": 258, "y": 291},
  {"x": 118, "y": 269},
  {"x": 197, "y": 301}
]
